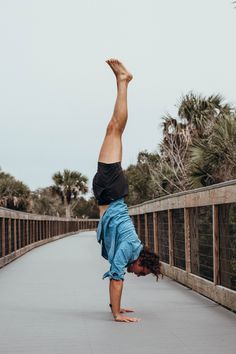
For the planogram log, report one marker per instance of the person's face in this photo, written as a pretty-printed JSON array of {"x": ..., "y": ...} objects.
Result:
[{"x": 137, "y": 269}]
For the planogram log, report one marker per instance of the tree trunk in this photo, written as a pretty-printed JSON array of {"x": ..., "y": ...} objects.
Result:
[{"x": 68, "y": 210}]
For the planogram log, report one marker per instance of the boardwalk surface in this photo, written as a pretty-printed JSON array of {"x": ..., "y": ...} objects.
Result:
[{"x": 52, "y": 300}]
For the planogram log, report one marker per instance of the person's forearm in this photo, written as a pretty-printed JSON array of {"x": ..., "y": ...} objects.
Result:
[
  {"x": 115, "y": 288},
  {"x": 110, "y": 294}
]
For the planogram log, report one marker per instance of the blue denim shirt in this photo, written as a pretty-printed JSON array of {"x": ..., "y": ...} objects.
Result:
[{"x": 120, "y": 243}]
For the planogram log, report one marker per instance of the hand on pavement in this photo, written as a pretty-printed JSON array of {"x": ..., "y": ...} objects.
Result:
[
  {"x": 120, "y": 318},
  {"x": 126, "y": 310}
]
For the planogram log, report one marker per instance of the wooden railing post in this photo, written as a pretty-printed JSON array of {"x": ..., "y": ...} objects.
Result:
[
  {"x": 36, "y": 230},
  {"x": 155, "y": 233},
  {"x": 3, "y": 238},
  {"x": 187, "y": 240},
  {"x": 170, "y": 237},
  {"x": 40, "y": 230},
  {"x": 146, "y": 230},
  {"x": 27, "y": 231},
  {"x": 19, "y": 233},
  {"x": 9, "y": 236},
  {"x": 216, "y": 245},
  {"x": 139, "y": 226},
  {"x": 23, "y": 242},
  {"x": 44, "y": 229},
  {"x": 30, "y": 231},
  {"x": 15, "y": 234}
]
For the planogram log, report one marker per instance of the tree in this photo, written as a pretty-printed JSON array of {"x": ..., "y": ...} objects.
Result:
[
  {"x": 188, "y": 155},
  {"x": 69, "y": 185},
  {"x": 172, "y": 171},
  {"x": 86, "y": 208},
  {"x": 140, "y": 181},
  {"x": 196, "y": 121},
  {"x": 200, "y": 113},
  {"x": 14, "y": 194},
  {"x": 213, "y": 160},
  {"x": 44, "y": 202}
]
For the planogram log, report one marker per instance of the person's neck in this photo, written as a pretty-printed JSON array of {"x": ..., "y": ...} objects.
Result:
[{"x": 102, "y": 209}]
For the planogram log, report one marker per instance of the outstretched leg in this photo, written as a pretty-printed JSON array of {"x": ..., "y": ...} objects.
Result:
[{"x": 111, "y": 150}]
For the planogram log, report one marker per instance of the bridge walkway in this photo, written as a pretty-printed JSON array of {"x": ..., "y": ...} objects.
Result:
[{"x": 53, "y": 300}]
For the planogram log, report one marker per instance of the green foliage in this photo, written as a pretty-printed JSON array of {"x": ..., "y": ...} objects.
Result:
[
  {"x": 197, "y": 149},
  {"x": 43, "y": 202},
  {"x": 86, "y": 208},
  {"x": 141, "y": 186},
  {"x": 69, "y": 185},
  {"x": 14, "y": 194},
  {"x": 213, "y": 160},
  {"x": 200, "y": 112}
]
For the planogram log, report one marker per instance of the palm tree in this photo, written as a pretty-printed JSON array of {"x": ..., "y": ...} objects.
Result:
[
  {"x": 213, "y": 160},
  {"x": 198, "y": 149},
  {"x": 198, "y": 117},
  {"x": 69, "y": 185},
  {"x": 201, "y": 113}
]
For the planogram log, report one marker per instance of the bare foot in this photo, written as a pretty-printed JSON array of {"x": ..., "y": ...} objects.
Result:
[{"x": 122, "y": 74}]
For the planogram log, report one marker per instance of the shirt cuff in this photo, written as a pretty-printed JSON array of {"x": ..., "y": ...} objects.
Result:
[{"x": 113, "y": 275}]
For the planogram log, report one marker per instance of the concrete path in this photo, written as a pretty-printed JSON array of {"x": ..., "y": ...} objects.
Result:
[{"x": 53, "y": 300}]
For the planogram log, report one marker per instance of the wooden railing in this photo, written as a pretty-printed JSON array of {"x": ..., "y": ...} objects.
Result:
[
  {"x": 21, "y": 232},
  {"x": 194, "y": 233}
]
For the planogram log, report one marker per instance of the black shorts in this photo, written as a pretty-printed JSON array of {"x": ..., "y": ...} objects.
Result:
[{"x": 109, "y": 183}]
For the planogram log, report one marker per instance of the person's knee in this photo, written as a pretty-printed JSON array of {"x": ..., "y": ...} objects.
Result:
[{"x": 114, "y": 128}]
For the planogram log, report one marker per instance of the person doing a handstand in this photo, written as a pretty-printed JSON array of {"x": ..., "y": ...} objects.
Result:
[{"x": 116, "y": 233}]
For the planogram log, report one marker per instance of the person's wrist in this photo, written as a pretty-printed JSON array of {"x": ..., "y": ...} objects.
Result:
[{"x": 115, "y": 315}]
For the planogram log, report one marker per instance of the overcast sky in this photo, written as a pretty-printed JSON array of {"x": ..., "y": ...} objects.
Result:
[{"x": 57, "y": 93}]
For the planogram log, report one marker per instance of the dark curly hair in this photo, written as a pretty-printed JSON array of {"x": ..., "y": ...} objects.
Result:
[{"x": 151, "y": 261}]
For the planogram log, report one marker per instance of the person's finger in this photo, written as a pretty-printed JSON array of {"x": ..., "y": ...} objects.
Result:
[
  {"x": 132, "y": 319},
  {"x": 126, "y": 310}
]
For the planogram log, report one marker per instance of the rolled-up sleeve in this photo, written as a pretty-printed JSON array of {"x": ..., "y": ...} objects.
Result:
[{"x": 119, "y": 262}]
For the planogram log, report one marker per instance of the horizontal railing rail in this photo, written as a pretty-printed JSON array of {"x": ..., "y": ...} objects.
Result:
[
  {"x": 194, "y": 233},
  {"x": 20, "y": 232}
]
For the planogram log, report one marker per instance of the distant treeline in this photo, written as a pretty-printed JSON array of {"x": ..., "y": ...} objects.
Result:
[
  {"x": 63, "y": 198},
  {"x": 198, "y": 148}
]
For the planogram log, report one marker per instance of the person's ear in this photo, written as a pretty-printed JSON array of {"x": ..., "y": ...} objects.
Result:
[{"x": 139, "y": 261}]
